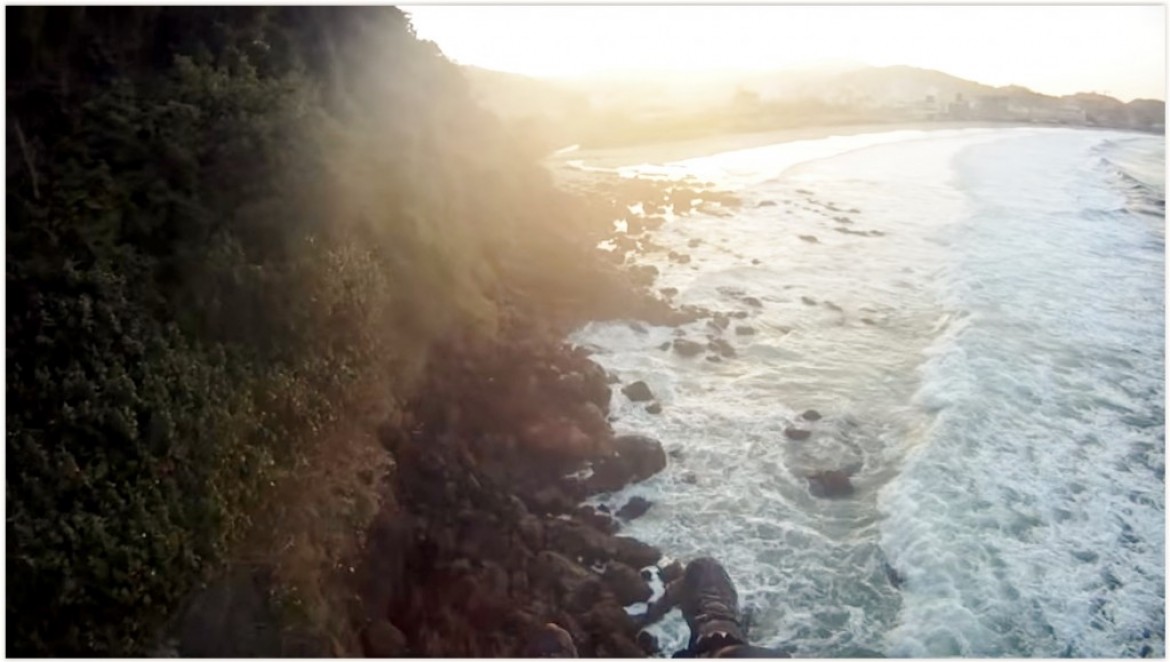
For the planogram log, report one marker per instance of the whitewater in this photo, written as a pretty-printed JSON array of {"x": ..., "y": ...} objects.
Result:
[{"x": 978, "y": 315}]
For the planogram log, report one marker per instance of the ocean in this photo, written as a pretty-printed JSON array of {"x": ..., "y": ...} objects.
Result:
[{"x": 978, "y": 316}]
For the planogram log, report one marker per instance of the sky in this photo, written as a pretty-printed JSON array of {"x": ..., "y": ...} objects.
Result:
[{"x": 1054, "y": 49}]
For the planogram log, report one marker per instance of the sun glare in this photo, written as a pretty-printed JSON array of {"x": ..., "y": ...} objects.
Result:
[{"x": 1119, "y": 50}]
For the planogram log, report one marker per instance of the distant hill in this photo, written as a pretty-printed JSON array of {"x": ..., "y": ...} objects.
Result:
[{"x": 646, "y": 106}]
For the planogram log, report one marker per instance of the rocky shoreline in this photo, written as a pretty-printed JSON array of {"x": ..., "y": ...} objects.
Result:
[{"x": 484, "y": 537}]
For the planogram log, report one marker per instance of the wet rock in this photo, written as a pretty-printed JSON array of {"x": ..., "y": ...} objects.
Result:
[
  {"x": 739, "y": 314},
  {"x": 597, "y": 519},
  {"x": 634, "y": 552},
  {"x": 654, "y": 408},
  {"x": 635, "y": 458},
  {"x": 676, "y": 453},
  {"x": 876, "y": 233},
  {"x": 668, "y": 291},
  {"x": 868, "y": 321},
  {"x": 690, "y": 478},
  {"x": 723, "y": 347},
  {"x": 672, "y": 571},
  {"x": 804, "y": 191},
  {"x": 808, "y": 301},
  {"x": 687, "y": 348},
  {"x": 811, "y": 415},
  {"x": 796, "y": 434},
  {"x": 752, "y": 301},
  {"x": 832, "y": 306},
  {"x": 638, "y": 391},
  {"x": 644, "y": 455},
  {"x": 755, "y": 261},
  {"x": 694, "y": 243},
  {"x": 719, "y": 322},
  {"x": 648, "y": 643},
  {"x": 664, "y": 346},
  {"x": 809, "y": 238},
  {"x": 637, "y": 327},
  {"x": 643, "y": 275},
  {"x": 714, "y": 359},
  {"x": 383, "y": 639},
  {"x": 634, "y": 508},
  {"x": 842, "y": 219},
  {"x": 744, "y": 331},
  {"x": 830, "y": 484},
  {"x": 611, "y": 378},
  {"x": 893, "y": 575},
  {"x": 854, "y": 210},
  {"x": 766, "y": 203},
  {"x": 728, "y": 291},
  {"x": 627, "y": 584}
]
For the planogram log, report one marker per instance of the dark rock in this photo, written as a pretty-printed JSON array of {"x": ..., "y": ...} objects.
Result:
[
  {"x": 636, "y": 458},
  {"x": 723, "y": 347},
  {"x": 752, "y": 301},
  {"x": 676, "y": 453},
  {"x": 638, "y": 327},
  {"x": 382, "y": 639},
  {"x": 643, "y": 275},
  {"x": 648, "y": 643},
  {"x": 626, "y": 583},
  {"x": 672, "y": 571},
  {"x": 804, "y": 191},
  {"x": 830, "y": 484},
  {"x": 766, "y": 203},
  {"x": 832, "y": 306},
  {"x": 690, "y": 478},
  {"x": 893, "y": 575},
  {"x": 755, "y": 261},
  {"x": 684, "y": 259},
  {"x": 728, "y": 291},
  {"x": 611, "y": 378},
  {"x": 811, "y": 415},
  {"x": 597, "y": 519},
  {"x": 740, "y": 314},
  {"x": 634, "y": 553},
  {"x": 744, "y": 331},
  {"x": 550, "y": 499},
  {"x": 809, "y": 238},
  {"x": 808, "y": 301},
  {"x": 686, "y": 347},
  {"x": 694, "y": 243},
  {"x": 638, "y": 391},
  {"x": 796, "y": 434},
  {"x": 571, "y": 539},
  {"x": 644, "y": 455},
  {"x": 668, "y": 291},
  {"x": 714, "y": 359},
  {"x": 664, "y": 346},
  {"x": 719, "y": 322},
  {"x": 876, "y": 233},
  {"x": 531, "y": 531},
  {"x": 634, "y": 508},
  {"x": 654, "y": 408},
  {"x": 868, "y": 321}
]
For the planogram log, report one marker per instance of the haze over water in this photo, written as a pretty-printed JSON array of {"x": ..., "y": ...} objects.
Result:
[{"x": 980, "y": 321}]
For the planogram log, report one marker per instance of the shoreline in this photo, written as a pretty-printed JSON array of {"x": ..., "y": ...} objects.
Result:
[{"x": 679, "y": 150}]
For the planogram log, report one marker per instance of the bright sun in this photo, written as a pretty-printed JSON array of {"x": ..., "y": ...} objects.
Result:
[{"x": 1118, "y": 50}]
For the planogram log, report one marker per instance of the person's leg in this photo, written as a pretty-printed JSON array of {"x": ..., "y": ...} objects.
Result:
[{"x": 750, "y": 651}]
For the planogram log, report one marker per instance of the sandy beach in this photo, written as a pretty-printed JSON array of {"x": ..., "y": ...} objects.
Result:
[{"x": 666, "y": 152}]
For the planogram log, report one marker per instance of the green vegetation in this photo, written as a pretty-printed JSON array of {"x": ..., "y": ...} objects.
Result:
[{"x": 231, "y": 231}]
